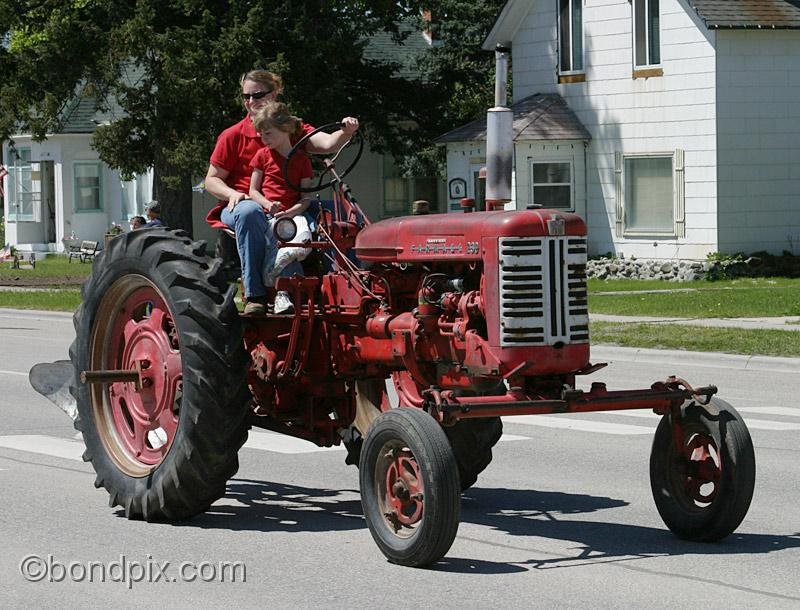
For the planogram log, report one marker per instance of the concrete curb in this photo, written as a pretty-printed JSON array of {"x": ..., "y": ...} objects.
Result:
[{"x": 740, "y": 362}]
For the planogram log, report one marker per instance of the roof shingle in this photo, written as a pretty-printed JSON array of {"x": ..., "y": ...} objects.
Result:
[
  {"x": 748, "y": 14},
  {"x": 543, "y": 116}
]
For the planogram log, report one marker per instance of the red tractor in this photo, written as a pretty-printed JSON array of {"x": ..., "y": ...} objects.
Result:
[{"x": 472, "y": 316}]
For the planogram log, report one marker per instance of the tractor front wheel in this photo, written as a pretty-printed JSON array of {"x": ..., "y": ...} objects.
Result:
[
  {"x": 409, "y": 487},
  {"x": 702, "y": 487}
]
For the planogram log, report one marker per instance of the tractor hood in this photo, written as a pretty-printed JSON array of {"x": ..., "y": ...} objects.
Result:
[{"x": 442, "y": 237}]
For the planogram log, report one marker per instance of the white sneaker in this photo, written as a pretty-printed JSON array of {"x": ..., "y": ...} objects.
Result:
[{"x": 283, "y": 305}]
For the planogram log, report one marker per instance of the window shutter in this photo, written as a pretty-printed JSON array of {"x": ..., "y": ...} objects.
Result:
[
  {"x": 680, "y": 214},
  {"x": 620, "y": 207}
]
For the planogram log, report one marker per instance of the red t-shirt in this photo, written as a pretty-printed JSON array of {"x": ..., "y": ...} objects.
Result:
[
  {"x": 235, "y": 148},
  {"x": 273, "y": 185}
]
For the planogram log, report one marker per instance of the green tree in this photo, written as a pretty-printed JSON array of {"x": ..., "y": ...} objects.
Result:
[
  {"x": 456, "y": 75},
  {"x": 166, "y": 72},
  {"x": 457, "y": 67}
]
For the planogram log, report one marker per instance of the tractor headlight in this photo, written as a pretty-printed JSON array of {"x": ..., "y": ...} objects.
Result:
[{"x": 285, "y": 229}]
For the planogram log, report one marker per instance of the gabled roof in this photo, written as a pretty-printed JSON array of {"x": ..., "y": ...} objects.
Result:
[
  {"x": 82, "y": 116},
  {"x": 507, "y": 23},
  {"x": 543, "y": 116},
  {"x": 748, "y": 14},
  {"x": 716, "y": 14},
  {"x": 380, "y": 47}
]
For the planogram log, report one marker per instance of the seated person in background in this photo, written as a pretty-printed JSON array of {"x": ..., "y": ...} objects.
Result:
[
  {"x": 154, "y": 215},
  {"x": 137, "y": 222},
  {"x": 278, "y": 128}
]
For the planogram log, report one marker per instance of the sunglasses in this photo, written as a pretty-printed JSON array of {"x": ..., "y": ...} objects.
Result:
[{"x": 255, "y": 96}]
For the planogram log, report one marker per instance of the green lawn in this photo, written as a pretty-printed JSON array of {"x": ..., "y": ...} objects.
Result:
[
  {"x": 697, "y": 339},
  {"x": 66, "y": 299},
  {"x": 53, "y": 266},
  {"x": 741, "y": 298}
]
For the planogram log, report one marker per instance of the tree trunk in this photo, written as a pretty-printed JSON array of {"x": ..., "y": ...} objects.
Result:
[{"x": 175, "y": 196}]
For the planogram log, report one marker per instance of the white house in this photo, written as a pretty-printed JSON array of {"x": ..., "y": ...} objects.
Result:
[
  {"x": 693, "y": 113},
  {"x": 59, "y": 187}
]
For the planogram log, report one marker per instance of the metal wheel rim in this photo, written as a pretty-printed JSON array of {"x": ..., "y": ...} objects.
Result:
[
  {"x": 400, "y": 489},
  {"x": 697, "y": 472},
  {"x": 135, "y": 326}
]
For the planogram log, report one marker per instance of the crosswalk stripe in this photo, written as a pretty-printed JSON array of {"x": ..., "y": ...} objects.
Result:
[
  {"x": 788, "y": 411},
  {"x": 281, "y": 443},
  {"x": 751, "y": 423},
  {"x": 583, "y": 425},
  {"x": 13, "y": 373},
  {"x": 44, "y": 445}
]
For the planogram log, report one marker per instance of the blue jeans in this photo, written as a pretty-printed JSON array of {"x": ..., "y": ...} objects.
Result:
[
  {"x": 250, "y": 224},
  {"x": 256, "y": 244}
]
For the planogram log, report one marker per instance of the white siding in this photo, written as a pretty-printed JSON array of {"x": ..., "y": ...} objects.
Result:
[
  {"x": 64, "y": 150},
  {"x": 759, "y": 141},
  {"x": 658, "y": 114},
  {"x": 461, "y": 158}
]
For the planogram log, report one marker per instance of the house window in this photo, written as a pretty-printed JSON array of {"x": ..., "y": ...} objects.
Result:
[
  {"x": 399, "y": 191},
  {"x": 551, "y": 184},
  {"x": 396, "y": 199},
  {"x": 646, "y": 37},
  {"x": 570, "y": 35},
  {"x": 24, "y": 187},
  {"x": 649, "y": 195},
  {"x": 88, "y": 187}
]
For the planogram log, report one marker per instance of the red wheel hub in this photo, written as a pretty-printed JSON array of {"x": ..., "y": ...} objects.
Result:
[
  {"x": 404, "y": 489},
  {"x": 140, "y": 420},
  {"x": 703, "y": 468}
]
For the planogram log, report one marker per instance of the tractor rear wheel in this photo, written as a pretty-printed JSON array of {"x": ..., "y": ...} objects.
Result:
[
  {"x": 165, "y": 444},
  {"x": 472, "y": 441},
  {"x": 703, "y": 488},
  {"x": 409, "y": 487}
]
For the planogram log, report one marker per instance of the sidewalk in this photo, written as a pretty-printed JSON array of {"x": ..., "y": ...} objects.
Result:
[{"x": 777, "y": 323}]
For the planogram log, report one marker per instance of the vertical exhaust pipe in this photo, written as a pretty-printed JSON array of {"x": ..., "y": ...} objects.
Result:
[{"x": 499, "y": 137}]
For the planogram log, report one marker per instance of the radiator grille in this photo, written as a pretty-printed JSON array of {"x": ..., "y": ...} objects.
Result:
[{"x": 543, "y": 290}]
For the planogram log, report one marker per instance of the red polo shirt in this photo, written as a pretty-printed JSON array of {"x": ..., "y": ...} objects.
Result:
[
  {"x": 234, "y": 150},
  {"x": 273, "y": 185}
]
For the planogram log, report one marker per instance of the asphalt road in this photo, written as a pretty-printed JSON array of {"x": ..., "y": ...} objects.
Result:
[{"x": 562, "y": 518}]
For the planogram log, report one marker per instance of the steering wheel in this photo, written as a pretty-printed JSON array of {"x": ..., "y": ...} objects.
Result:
[{"x": 356, "y": 140}]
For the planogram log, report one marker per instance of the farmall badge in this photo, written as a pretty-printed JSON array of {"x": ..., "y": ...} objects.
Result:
[
  {"x": 437, "y": 245},
  {"x": 556, "y": 225}
]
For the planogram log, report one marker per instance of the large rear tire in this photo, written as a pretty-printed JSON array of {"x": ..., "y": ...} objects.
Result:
[
  {"x": 472, "y": 441},
  {"x": 163, "y": 450},
  {"x": 409, "y": 487},
  {"x": 703, "y": 489}
]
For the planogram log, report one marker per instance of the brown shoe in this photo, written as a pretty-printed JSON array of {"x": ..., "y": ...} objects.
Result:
[{"x": 255, "y": 307}]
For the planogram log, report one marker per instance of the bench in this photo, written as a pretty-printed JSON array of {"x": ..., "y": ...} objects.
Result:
[
  {"x": 84, "y": 252},
  {"x": 15, "y": 258}
]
